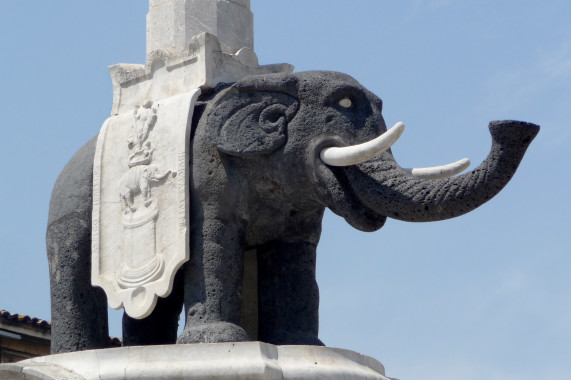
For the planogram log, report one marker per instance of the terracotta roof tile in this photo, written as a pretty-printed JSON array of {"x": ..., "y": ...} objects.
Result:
[
  {"x": 23, "y": 320},
  {"x": 19, "y": 319}
]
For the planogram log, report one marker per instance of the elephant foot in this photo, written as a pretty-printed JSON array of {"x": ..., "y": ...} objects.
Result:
[{"x": 217, "y": 332}]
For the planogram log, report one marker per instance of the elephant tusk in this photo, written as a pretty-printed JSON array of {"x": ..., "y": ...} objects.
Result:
[
  {"x": 440, "y": 172},
  {"x": 354, "y": 154}
]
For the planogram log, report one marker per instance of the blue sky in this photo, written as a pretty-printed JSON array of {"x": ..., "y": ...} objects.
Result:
[{"x": 485, "y": 295}]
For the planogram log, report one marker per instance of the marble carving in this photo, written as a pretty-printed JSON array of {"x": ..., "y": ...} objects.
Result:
[{"x": 140, "y": 216}]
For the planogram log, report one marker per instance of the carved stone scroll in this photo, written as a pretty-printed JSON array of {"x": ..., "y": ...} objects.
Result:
[{"x": 140, "y": 202}]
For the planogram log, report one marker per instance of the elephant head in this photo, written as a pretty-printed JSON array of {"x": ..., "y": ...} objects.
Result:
[
  {"x": 297, "y": 118},
  {"x": 270, "y": 153}
]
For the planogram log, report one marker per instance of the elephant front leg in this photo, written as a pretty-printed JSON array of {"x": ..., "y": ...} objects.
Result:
[
  {"x": 213, "y": 282},
  {"x": 288, "y": 307}
]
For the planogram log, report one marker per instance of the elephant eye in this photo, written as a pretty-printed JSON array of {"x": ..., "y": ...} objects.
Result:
[{"x": 345, "y": 103}]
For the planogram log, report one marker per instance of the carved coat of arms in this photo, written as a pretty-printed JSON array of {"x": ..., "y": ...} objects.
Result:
[{"x": 140, "y": 196}]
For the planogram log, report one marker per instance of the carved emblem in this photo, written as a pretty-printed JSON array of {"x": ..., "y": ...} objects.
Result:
[
  {"x": 140, "y": 187},
  {"x": 142, "y": 263}
]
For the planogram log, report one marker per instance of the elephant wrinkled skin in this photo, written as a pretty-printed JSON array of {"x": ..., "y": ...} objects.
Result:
[{"x": 258, "y": 182}]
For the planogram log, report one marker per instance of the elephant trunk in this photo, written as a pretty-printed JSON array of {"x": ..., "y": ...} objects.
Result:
[{"x": 386, "y": 188}]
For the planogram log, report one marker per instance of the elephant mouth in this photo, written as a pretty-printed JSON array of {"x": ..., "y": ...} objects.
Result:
[{"x": 334, "y": 190}]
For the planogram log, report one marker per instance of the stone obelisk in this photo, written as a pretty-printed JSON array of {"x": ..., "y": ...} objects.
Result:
[{"x": 172, "y": 24}]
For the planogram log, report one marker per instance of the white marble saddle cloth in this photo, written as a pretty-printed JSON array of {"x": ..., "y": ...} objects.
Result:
[{"x": 140, "y": 202}]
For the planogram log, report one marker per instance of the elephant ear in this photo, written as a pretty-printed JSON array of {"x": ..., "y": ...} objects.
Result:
[{"x": 251, "y": 117}]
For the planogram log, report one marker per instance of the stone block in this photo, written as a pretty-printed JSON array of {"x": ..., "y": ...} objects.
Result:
[
  {"x": 165, "y": 74},
  {"x": 171, "y": 24}
]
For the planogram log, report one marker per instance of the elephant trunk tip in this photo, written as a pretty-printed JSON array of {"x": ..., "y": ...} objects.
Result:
[{"x": 513, "y": 130}]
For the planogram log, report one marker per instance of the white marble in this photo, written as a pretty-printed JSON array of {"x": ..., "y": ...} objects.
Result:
[
  {"x": 140, "y": 202},
  {"x": 440, "y": 172},
  {"x": 171, "y": 24},
  {"x": 200, "y": 64},
  {"x": 229, "y": 361},
  {"x": 354, "y": 154}
]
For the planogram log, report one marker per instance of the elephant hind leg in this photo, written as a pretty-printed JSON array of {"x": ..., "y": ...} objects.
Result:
[
  {"x": 79, "y": 310},
  {"x": 128, "y": 202},
  {"x": 288, "y": 306}
]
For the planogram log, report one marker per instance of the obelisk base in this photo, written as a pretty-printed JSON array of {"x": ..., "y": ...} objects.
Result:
[{"x": 228, "y": 361}]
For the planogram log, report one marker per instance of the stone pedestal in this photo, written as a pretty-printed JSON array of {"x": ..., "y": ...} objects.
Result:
[{"x": 228, "y": 361}]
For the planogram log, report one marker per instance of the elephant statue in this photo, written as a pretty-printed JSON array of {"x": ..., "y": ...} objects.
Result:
[
  {"x": 269, "y": 154},
  {"x": 138, "y": 180}
]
